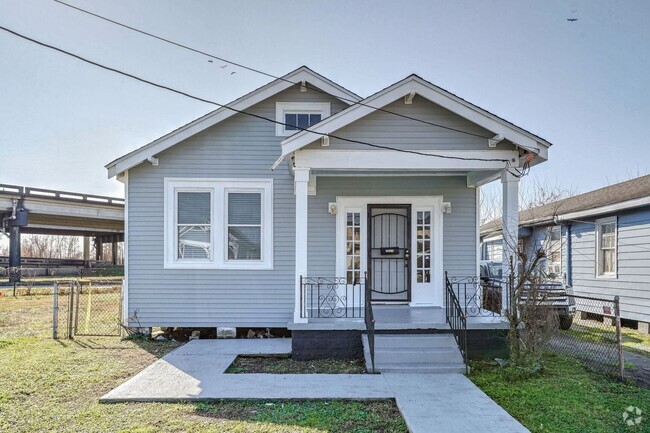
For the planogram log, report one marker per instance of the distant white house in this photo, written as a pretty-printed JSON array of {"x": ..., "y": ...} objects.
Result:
[{"x": 598, "y": 243}]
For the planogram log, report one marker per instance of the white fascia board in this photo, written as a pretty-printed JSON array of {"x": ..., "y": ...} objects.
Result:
[
  {"x": 165, "y": 142},
  {"x": 629, "y": 204},
  {"x": 331, "y": 159},
  {"x": 426, "y": 90}
]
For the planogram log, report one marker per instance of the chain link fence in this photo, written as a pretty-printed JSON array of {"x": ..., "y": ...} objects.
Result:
[
  {"x": 594, "y": 335},
  {"x": 86, "y": 308}
]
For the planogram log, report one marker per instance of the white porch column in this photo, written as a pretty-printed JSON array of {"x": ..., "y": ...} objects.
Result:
[
  {"x": 510, "y": 227},
  {"x": 301, "y": 182}
]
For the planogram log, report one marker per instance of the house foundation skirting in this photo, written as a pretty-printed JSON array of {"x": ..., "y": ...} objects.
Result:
[
  {"x": 487, "y": 343},
  {"x": 320, "y": 344}
]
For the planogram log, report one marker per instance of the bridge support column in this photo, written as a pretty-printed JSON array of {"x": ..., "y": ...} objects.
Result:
[
  {"x": 86, "y": 252},
  {"x": 114, "y": 250},
  {"x": 99, "y": 249},
  {"x": 14, "y": 253}
]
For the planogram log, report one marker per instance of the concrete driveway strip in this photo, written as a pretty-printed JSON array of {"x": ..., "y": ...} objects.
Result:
[{"x": 429, "y": 403}]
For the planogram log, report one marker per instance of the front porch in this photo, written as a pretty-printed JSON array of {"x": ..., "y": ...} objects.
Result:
[{"x": 333, "y": 304}]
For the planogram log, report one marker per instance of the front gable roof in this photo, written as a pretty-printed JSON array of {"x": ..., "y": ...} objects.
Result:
[
  {"x": 414, "y": 84},
  {"x": 152, "y": 149}
]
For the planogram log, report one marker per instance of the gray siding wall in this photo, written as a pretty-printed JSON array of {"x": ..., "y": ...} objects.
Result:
[
  {"x": 390, "y": 130},
  {"x": 633, "y": 280},
  {"x": 459, "y": 227},
  {"x": 241, "y": 147}
]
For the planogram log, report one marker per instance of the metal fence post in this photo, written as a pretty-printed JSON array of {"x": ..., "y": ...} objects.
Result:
[
  {"x": 70, "y": 310},
  {"x": 55, "y": 311},
  {"x": 619, "y": 338}
]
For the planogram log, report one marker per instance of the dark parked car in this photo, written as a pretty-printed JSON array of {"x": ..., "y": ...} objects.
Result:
[{"x": 553, "y": 294}]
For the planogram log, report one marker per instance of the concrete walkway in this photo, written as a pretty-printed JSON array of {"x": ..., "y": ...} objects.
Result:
[{"x": 429, "y": 403}]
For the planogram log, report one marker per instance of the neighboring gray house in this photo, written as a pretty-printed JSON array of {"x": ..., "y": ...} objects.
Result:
[
  {"x": 231, "y": 218},
  {"x": 598, "y": 243}
]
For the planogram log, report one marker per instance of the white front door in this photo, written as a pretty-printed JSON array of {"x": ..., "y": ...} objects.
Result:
[{"x": 410, "y": 266}]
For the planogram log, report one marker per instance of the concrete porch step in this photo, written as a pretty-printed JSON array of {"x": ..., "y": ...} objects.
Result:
[
  {"x": 414, "y": 353},
  {"x": 437, "y": 356},
  {"x": 421, "y": 369},
  {"x": 419, "y": 341}
]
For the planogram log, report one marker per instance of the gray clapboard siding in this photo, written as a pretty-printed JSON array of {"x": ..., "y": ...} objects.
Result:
[
  {"x": 243, "y": 147},
  {"x": 632, "y": 283},
  {"x": 386, "y": 129}
]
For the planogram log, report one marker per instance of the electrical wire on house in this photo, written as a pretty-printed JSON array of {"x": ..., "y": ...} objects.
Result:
[
  {"x": 259, "y": 71},
  {"x": 257, "y": 116}
]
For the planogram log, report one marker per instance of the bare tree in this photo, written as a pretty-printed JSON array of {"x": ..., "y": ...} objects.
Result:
[
  {"x": 532, "y": 314},
  {"x": 51, "y": 246},
  {"x": 533, "y": 192}
]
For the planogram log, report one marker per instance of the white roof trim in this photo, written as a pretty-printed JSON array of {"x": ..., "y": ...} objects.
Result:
[
  {"x": 165, "y": 142},
  {"x": 434, "y": 94},
  {"x": 628, "y": 204}
]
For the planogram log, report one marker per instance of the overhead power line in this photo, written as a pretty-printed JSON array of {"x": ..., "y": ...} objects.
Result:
[
  {"x": 259, "y": 71},
  {"x": 225, "y": 106}
]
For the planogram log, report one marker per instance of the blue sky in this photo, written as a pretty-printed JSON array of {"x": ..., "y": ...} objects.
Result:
[{"x": 582, "y": 85}]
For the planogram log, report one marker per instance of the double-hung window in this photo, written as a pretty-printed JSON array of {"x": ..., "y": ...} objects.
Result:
[
  {"x": 218, "y": 223},
  {"x": 606, "y": 247},
  {"x": 296, "y": 116},
  {"x": 244, "y": 223},
  {"x": 194, "y": 225}
]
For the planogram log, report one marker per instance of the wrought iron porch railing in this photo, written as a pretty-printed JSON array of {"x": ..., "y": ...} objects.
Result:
[
  {"x": 480, "y": 298},
  {"x": 332, "y": 298},
  {"x": 456, "y": 318},
  {"x": 370, "y": 324}
]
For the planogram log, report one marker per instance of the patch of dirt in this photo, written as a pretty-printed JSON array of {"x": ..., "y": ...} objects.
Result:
[{"x": 286, "y": 365}]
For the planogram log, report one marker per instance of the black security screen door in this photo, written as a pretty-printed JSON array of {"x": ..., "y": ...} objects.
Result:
[{"x": 389, "y": 239}]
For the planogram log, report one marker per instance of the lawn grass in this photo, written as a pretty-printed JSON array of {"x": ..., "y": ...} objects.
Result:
[
  {"x": 284, "y": 365},
  {"x": 593, "y": 331},
  {"x": 565, "y": 398},
  {"x": 48, "y": 385}
]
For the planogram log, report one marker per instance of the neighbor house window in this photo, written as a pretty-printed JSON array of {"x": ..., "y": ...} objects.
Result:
[
  {"x": 219, "y": 223},
  {"x": 296, "y": 116},
  {"x": 553, "y": 248},
  {"x": 353, "y": 247},
  {"x": 194, "y": 225},
  {"x": 606, "y": 247}
]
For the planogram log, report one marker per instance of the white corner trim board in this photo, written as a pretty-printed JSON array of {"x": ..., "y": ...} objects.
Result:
[{"x": 220, "y": 241}]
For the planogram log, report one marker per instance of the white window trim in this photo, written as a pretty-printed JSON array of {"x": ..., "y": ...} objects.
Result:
[
  {"x": 219, "y": 189},
  {"x": 423, "y": 294},
  {"x": 599, "y": 223},
  {"x": 281, "y": 108}
]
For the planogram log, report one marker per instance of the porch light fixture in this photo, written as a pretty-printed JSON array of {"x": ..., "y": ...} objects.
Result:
[
  {"x": 446, "y": 207},
  {"x": 332, "y": 208}
]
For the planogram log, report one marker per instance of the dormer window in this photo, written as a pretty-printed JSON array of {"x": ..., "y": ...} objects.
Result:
[{"x": 296, "y": 116}]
